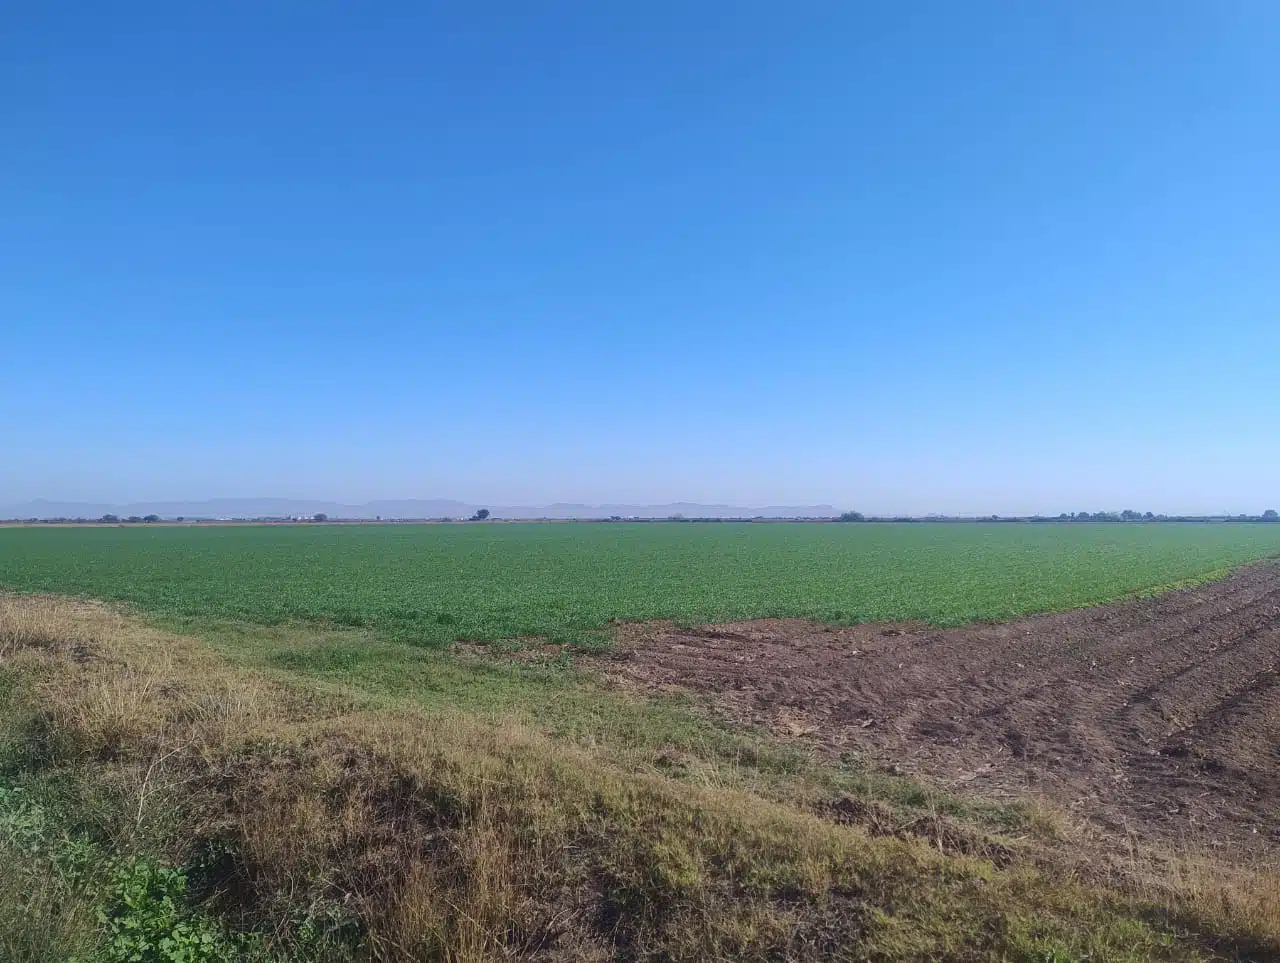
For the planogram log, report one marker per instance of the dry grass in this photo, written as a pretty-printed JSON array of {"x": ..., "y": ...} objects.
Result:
[
  {"x": 451, "y": 836},
  {"x": 37, "y": 923},
  {"x": 45, "y": 622},
  {"x": 1222, "y": 895}
]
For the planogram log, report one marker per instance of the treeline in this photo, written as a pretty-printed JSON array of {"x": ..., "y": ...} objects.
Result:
[
  {"x": 1127, "y": 515},
  {"x": 152, "y": 519},
  {"x": 104, "y": 520}
]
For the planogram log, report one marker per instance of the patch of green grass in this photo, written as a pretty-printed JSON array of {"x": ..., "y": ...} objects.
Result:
[
  {"x": 69, "y": 897},
  {"x": 45, "y": 917},
  {"x": 432, "y": 584},
  {"x": 550, "y": 695},
  {"x": 673, "y": 736}
]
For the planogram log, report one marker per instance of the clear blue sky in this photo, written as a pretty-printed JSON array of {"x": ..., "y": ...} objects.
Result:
[{"x": 930, "y": 256}]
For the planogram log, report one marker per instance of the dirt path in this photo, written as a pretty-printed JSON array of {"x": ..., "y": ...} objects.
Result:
[{"x": 1158, "y": 717}]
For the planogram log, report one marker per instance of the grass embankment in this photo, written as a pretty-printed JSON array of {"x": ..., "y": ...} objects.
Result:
[
  {"x": 433, "y": 584},
  {"x": 161, "y": 797}
]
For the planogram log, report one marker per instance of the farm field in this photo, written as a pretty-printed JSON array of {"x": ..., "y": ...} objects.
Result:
[
  {"x": 765, "y": 763},
  {"x": 431, "y": 585}
]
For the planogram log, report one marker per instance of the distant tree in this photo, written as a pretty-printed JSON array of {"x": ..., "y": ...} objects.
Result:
[
  {"x": 182, "y": 518},
  {"x": 1129, "y": 515},
  {"x": 1148, "y": 516},
  {"x": 151, "y": 518},
  {"x": 319, "y": 517},
  {"x": 134, "y": 519},
  {"x": 1271, "y": 515},
  {"x": 109, "y": 519},
  {"x": 1082, "y": 516},
  {"x": 481, "y": 515},
  {"x": 851, "y": 517}
]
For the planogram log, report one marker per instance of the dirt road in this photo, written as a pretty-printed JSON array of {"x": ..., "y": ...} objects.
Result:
[{"x": 1159, "y": 717}]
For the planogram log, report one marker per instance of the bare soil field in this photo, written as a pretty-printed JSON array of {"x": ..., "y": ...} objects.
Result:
[{"x": 1157, "y": 719}]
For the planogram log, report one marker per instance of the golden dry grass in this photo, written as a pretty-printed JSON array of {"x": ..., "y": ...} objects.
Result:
[
  {"x": 45, "y": 622},
  {"x": 444, "y": 835}
]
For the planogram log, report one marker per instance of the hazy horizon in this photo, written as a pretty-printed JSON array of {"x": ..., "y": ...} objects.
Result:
[{"x": 449, "y": 507}]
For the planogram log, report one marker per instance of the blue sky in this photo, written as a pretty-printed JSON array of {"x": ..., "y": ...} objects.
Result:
[{"x": 900, "y": 257}]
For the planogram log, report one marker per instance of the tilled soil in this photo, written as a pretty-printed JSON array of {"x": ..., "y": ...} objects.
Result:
[{"x": 1157, "y": 718}]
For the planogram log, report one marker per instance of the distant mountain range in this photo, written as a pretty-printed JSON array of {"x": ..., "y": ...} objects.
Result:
[{"x": 401, "y": 508}]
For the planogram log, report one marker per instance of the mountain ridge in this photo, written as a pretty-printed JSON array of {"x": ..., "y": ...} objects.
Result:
[{"x": 407, "y": 508}]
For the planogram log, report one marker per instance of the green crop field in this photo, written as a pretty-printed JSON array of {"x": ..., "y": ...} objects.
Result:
[{"x": 433, "y": 584}]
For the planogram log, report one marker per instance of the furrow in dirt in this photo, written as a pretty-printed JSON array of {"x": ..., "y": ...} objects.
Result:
[{"x": 1158, "y": 717}]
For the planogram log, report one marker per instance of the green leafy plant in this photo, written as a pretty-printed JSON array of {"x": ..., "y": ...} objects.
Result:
[
  {"x": 23, "y": 823},
  {"x": 146, "y": 920}
]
